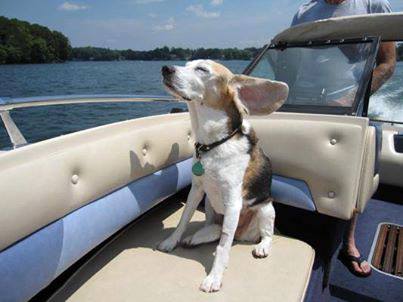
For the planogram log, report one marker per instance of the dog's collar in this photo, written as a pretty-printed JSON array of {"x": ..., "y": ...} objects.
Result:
[{"x": 202, "y": 148}]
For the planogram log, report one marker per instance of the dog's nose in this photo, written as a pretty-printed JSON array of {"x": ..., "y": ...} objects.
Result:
[{"x": 167, "y": 70}]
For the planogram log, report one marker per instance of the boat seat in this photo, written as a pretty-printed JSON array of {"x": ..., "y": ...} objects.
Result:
[
  {"x": 369, "y": 172},
  {"x": 332, "y": 158},
  {"x": 378, "y": 144},
  {"x": 129, "y": 269},
  {"x": 311, "y": 172}
]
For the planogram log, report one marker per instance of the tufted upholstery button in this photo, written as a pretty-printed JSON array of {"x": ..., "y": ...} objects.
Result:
[
  {"x": 74, "y": 179},
  {"x": 189, "y": 135},
  {"x": 333, "y": 141},
  {"x": 144, "y": 150},
  {"x": 331, "y": 194}
]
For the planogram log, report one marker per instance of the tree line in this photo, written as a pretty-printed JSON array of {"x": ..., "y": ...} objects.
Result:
[
  {"x": 23, "y": 42},
  {"x": 163, "y": 53}
]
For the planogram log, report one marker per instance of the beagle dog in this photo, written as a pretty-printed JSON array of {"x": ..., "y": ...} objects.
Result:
[{"x": 228, "y": 165}]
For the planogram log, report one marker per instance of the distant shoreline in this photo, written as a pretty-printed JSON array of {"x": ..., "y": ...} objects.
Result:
[
  {"x": 95, "y": 54},
  {"x": 22, "y": 42},
  {"x": 25, "y": 43},
  {"x": 135, "y": 60},
  {"x": 104, "y": 61}
]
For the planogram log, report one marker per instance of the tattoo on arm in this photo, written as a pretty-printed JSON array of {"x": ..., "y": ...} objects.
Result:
[{"x": 386, "y": 62}]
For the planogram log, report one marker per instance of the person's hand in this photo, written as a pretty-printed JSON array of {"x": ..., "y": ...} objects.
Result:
[{"x": 346, "y": 100}]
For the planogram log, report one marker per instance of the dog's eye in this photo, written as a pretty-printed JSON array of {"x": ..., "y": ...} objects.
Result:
[{"x": 202, "y": 69}]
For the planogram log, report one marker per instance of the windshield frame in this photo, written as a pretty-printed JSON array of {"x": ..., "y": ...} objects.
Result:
[{"x": 362, "y": 95}]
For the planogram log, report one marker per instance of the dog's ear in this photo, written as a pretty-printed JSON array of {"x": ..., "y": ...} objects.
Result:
[{"x": 258, "y": 96}]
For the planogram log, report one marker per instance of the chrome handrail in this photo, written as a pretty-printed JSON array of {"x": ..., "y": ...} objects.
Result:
[
  {"x": 14, "y": 103},
  {"x": 15, "y": 135}
]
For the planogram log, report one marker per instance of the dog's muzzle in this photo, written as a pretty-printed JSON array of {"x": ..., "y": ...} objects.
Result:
[{"x": 167, "y": 73}]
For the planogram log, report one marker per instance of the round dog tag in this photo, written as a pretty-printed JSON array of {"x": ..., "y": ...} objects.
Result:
[{"x": 198, "y": 169}]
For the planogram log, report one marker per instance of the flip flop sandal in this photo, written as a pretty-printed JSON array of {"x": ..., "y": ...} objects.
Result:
[{"x": 348, "y": 260}]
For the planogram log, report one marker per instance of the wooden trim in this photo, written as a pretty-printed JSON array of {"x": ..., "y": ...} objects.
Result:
[
  {"x": 380, "y": 245},
  {"x": 399, "y": 255},
  {"x": 390, "y": 250}
]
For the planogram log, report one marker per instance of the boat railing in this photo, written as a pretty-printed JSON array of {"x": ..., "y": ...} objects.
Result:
[{"x": 17, "y": 138}]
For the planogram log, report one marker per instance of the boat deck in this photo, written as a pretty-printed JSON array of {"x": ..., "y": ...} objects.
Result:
[{"x": 378, "y": 287}]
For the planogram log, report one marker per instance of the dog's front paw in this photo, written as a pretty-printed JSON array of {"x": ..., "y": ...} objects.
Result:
[
  {"x": 167, "y": 245},
  {"x": 188, "y": 242},
  {"x": 262, "y": 249},
  {"x": 211, "y": 283}
]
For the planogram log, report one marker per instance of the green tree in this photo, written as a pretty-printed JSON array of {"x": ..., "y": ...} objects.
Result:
[
  {"x": 3, "y": 54},
  {"x": 62, "y": 46},
  {"x": 39, "y": 51},
  {"x": 31, "y": 43},
  {"x": 14, "y": 55}
]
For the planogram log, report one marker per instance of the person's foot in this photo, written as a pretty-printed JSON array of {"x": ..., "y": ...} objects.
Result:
[
  {"x": 362, "y": 268},
  {"x": 352, "y": 259}
]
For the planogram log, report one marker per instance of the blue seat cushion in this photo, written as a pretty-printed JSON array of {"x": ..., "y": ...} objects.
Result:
[{"x": 292, "y": 192}]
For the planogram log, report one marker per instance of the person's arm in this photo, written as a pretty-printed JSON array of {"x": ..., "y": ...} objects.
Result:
[{"x": 385, "y": 65}]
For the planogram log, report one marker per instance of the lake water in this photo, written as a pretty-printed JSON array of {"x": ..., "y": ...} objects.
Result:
[{"x": 125, "y": 77}]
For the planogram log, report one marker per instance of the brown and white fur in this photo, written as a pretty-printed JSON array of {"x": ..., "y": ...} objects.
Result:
[{"x": 237, "y": 176}]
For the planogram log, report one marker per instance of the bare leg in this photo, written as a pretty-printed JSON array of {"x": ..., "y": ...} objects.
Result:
[
  {"x": 206, "y": 234},
  {"x": 265, "y": 217},
  {"x": 194, "y": 198},
  {"x": 351, "y": 248},
  {"x": 233, "y": 205}
]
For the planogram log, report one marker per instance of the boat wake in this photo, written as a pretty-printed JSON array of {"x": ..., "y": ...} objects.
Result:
[{"x": 387, "y": 104}]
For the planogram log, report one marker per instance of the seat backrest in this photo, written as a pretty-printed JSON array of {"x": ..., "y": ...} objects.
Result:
[
  {"x": 329, "y": 153},
  {"x": 52, "y": 178},
  {"x": 369, "y": 177}
]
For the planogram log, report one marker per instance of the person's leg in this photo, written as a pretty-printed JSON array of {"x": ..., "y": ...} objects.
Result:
[{"x": 350, "y": 248}]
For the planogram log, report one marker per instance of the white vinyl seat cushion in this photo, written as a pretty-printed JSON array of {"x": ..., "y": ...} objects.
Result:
[
  {"x": 129, "y": 269},
  {"x": 53, "y": 178}
]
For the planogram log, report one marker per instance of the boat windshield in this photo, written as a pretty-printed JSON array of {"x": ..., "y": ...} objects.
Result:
[{"x": 322, "y": 78}]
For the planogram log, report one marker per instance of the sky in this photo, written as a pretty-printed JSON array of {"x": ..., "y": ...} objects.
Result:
[{"x": 146, "y": 24}]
